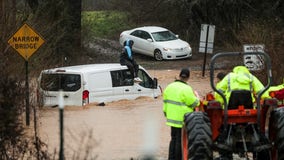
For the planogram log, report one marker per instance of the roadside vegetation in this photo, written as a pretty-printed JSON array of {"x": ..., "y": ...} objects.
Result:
[{"x": 103, "y": 24}]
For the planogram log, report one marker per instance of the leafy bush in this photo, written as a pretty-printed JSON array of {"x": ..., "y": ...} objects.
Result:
[{"x": 103, "y": 24}]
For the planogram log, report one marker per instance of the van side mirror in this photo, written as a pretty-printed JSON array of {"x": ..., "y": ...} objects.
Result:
[{"x": 155, "y": 83}]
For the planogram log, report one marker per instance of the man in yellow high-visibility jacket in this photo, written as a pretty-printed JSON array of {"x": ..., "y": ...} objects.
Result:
[
  {"x": 240, "y": 79},
  {"x": 179, "y": 99}
]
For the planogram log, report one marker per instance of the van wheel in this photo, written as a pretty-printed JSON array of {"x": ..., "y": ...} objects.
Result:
[
  {"x": 196, "y": 139},
  {"x": 158, "y": 55}
]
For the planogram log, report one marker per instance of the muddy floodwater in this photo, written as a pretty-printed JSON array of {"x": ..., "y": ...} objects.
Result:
[{"x": 121, "y": 130}]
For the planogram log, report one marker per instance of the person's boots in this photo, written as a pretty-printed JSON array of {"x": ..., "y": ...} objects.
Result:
[{"x": 137, "y": 79}]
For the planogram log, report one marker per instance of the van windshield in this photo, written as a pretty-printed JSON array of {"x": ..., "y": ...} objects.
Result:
[{"x": 56, "y": 82}]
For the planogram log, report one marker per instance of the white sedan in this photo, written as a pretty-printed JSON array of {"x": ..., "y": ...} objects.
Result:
[{"x": 157, "y": 42}]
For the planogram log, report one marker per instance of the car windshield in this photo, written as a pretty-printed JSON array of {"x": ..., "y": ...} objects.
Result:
[{"x": 164, "y": 36}]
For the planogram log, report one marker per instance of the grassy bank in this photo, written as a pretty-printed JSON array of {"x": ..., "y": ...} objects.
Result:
[{"x": 103, "y": 24}]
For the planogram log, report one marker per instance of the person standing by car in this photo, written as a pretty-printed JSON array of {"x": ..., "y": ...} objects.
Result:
[
  {"x": 179, "y": 99},
  {"x": 126, "y": 58}
]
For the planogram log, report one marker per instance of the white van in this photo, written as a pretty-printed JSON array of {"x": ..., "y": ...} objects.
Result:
[{"x": 99, "y": 83}]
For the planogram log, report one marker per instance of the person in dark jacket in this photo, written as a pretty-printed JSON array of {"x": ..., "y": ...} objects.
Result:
[{"x": 126, "y": 58}]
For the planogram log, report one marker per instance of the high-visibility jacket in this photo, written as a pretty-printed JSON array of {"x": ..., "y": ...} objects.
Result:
[
  {"x": 217, "y": 96},
  {"x": 179, "y": 99},
  {"x": 240, "y": 79}
]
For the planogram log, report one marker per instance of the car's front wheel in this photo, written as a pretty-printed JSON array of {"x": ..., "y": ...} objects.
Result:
[{"x": 158, "y": 55}]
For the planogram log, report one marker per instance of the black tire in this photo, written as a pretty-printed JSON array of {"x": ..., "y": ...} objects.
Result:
[
  {"x": 278, "y": 125},
  {"x": 158, "y": 55},
  {"x": 264, "y": 154},
  {"x": 199, "y": 136}
]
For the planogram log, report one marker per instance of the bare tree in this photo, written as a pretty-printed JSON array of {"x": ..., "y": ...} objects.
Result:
[
  {"x": 140, "y": 11},
  {"x": 33, "y": 4}
]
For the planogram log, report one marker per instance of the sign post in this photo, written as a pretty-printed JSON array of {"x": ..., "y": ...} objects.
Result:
[
  {"x": 26, "y": 42},
  {"x": 206, "y": 41},
  {"x": 61, "y": 119}
]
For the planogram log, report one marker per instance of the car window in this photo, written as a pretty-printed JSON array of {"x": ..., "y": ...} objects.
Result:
[
  {"x": 121, "y": 78},
  {"x": 56, "y": 82},
  {"x": 164, "y": 36},
  {"x": 147, "y": 81},
  {"x": 145, "y": 35},
  {"x": 141, "y": 34},
  {"x": 136, "y": 33}
]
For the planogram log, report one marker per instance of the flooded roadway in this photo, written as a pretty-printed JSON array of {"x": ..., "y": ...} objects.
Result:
[{"x": 121, "y": 130}]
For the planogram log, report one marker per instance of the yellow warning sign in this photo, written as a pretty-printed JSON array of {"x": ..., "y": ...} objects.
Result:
[{"x": 26, "y": 41}]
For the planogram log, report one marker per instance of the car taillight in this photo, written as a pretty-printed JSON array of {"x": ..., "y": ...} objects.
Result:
[{"x": 85, "y": 97}]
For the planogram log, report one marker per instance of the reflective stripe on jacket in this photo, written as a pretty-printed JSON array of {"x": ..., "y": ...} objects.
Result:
[
  {"x": 179, "y": 99},
  {"x": 217, "y": 96},
  {"x": 240, "y": 79}
]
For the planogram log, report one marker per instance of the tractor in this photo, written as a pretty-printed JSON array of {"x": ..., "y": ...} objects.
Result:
[{"x": 236, "y": 128}]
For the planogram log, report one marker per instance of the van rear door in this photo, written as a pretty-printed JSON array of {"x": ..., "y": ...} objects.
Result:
[{"x": 70, "y": 84}]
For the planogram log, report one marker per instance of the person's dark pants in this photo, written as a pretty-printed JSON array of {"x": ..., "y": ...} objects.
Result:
[
  {"x": 132, "y": 66},
  {"x": 175, "y": 144}
]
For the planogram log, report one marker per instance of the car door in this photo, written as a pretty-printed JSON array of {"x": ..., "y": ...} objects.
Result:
[
  {"x": 70, "y": 84},
  {"x": 146, "y": 87},
  {"x": 147, "y": 44},
  {"x": 123, "y": 85},
  {"x": 135, "y": 36},
  {"x": 141, "y": 44}
]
